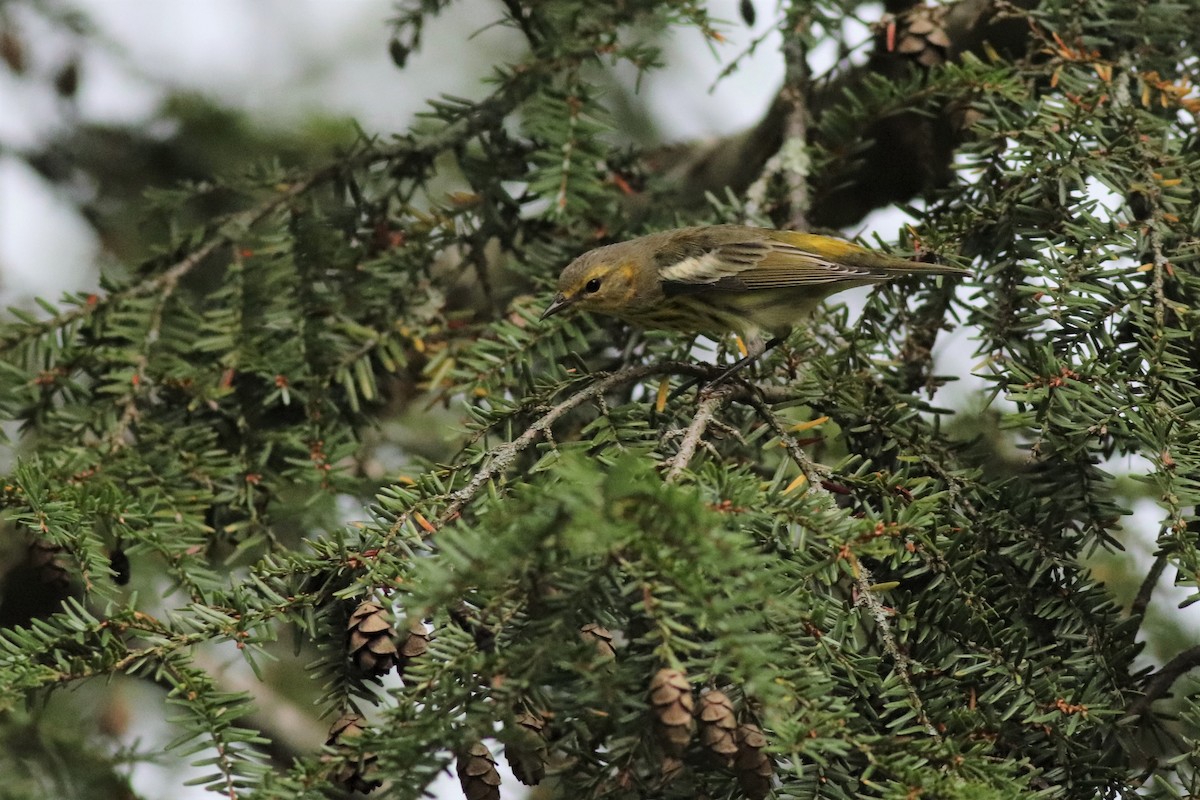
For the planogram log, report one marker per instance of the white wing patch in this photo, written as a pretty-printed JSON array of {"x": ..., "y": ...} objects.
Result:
[
  {"x": 708, "y": 268},
  {"x": 746, "y": 266}
]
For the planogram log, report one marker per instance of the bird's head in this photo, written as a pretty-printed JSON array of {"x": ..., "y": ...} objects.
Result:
[{"x": 605, "y": 280}]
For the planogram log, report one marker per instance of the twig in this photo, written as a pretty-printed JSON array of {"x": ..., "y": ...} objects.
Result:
[
  {"x": 866, "y": 599},
  {"x": 710, "y": 403},
  {"x": 129, "y": 413},
  {"x": 814, "y": 473},
  {"x": 1160, "y": 268},
  {"x": 1161, "y": 682},
  {"x": 730, "y": 431},
  {"x": 522, "y": 19},
  {"x": 1142, "y": 600},
  {"x": 502, "y": 457}
]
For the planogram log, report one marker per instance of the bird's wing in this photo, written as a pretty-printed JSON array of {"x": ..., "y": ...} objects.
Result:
[{"x": 751, "y": 264}]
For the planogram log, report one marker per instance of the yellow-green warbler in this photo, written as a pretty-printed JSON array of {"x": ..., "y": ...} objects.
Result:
[{"x": 723, "y": 278}]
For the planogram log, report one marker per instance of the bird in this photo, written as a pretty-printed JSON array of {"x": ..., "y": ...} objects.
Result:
[{"x": 717, "y": 279}]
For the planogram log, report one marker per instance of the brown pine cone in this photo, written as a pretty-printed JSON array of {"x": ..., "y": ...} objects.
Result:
[
  {"x": 477, "y": 773},
  {"x": 718, "y": 727},
  {"x": 919, "y": 35},
  {"x": 752, "y": 765},
  {"x": 601, "y": 638},
  {"x": 527, "y": 752},
  {"x": 372, "y": 639},
  {"x": 358, "y": 775},
  {"x": 416, "y": 644},
  {"x": 671, "y": 701}
]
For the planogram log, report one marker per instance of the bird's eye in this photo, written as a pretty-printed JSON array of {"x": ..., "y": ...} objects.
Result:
[{"x": 592, "y": 286}]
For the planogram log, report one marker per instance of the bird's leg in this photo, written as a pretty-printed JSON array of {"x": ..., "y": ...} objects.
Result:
[{"x": 753, "y": 355}]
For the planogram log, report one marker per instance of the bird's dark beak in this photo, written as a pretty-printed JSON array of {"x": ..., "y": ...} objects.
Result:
[{"x": 560, "y": 302}]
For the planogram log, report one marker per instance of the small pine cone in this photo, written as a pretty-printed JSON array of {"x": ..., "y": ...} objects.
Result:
[
  {"x": 477, "y": 773},
  {"x": 360, "y": 775},
  {"x": 527, "y": 753},
  {"x": 372, "y": 639},
  {"x": 752, "y": 765},
  {"x": 416, "y": 643},
  {"x": 601, "y": 638},
  {"x": 671, "y": 700},
  {"x": 919, "y": 34},
  {"x": 718, "y": 727},
  {"x": 671, "y": 769}
]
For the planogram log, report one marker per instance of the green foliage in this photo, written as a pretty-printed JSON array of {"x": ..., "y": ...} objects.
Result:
[{"x": 899, "y": 602}]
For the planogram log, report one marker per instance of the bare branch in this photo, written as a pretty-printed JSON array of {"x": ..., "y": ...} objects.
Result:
[
  {"x": 896, "y": 157},
  {"x": 499, "y": 459},
  {"x": 866, "y": 598},
  {"x": 794, "y": 153},
  {"x": 522, "y": 19},
  {"x": 1142, "y": 600},
  {"x": 502, "y": 457},
  {"x": 711, "y": 402},
  {"x": 1161, "y": 682},
  {"x": 811, "y": 470}
]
